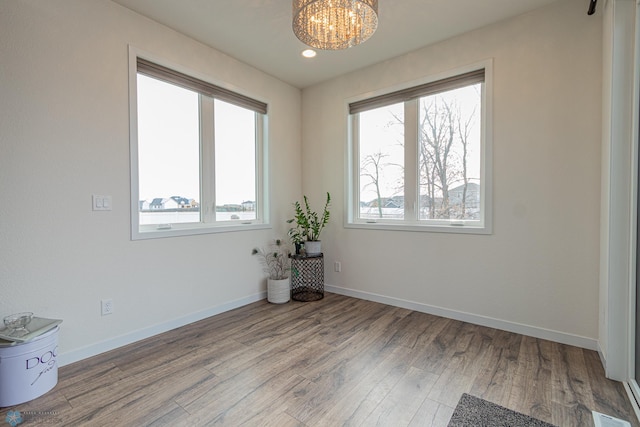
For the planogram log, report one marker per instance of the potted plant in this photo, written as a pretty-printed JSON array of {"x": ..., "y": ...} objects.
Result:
[
  {"x": 309, "y": 225},
  {"x": 297, "y": 237},
  {"x": 275, "y": 263}
]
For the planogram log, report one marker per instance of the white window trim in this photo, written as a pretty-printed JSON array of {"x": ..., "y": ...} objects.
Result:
[
  {"x": 486, "y": 193},
  {"x": 262, "y": 220}
]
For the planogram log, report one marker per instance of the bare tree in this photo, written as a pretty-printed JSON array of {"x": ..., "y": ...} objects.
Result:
[
  {"x": 445, "y": 136},
  {"x": 371, "y": 168},
  {"x": 437, "y": 133},
  {"x": 464, "y": 130}
]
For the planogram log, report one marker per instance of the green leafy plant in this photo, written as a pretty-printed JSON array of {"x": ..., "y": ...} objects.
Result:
[
  {"x": 309, "y": 224},
  {"x": 297, "y": 238},
  {"x": 274, "y": 260},
  {"x": 296, "y": 234}
]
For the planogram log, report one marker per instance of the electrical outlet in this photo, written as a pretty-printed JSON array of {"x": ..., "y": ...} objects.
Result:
[
  {"x": 337, "y": 266},
  {"x": 107, "y": 306}
]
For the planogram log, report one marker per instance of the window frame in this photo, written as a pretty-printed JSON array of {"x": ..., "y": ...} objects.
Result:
[
  {"x": 485, "y": 225},
  {"x": 207, "y": 161}
]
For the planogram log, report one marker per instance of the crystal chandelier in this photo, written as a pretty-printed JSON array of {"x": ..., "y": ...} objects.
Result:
[{"x": 334, "y": 24}]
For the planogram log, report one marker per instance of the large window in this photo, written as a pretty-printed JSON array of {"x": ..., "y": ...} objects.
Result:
[
  {"x": 419, "y": 157},
  {"x": 196, "y": 155}
]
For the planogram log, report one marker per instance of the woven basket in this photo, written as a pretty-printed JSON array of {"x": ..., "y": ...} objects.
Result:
[{"x": 278, "y": 291}]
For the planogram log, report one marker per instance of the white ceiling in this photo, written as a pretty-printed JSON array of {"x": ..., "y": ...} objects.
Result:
[{"x": 258, "y": 32}]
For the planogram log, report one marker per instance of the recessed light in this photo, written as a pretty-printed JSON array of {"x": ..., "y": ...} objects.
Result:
[{"x": 309, "y": 53}]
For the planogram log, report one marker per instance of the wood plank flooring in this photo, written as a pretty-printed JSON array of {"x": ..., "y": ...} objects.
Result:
[{"x": 338, "y": 361}]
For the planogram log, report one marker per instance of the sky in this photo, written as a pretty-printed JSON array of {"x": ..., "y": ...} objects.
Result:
[{"x": 169, "y": 145}]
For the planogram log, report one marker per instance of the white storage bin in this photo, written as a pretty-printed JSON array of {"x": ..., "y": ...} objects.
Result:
[{"x": 29, "y": 369}]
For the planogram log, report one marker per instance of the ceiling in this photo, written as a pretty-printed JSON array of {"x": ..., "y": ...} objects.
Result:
[{"x": 258, "y": 32}]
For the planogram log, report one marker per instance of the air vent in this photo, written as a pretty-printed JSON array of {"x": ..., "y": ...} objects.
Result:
[{"x": 602, "y": 420}]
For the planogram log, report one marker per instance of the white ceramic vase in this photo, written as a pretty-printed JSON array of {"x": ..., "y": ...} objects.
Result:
[
  {"x": 278, "y": 291},
  {"x": 313, "y": 247}
]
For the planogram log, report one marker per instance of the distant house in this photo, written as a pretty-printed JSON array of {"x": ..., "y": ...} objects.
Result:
[
  {"x": 177, "y": 202},
  {"x": 471, "y": 202},
  {"x": 249, "y": 205},
  {"x": 173, "y": 202},
  {"x": 394, "y": 202},
  {"x": 472, "y": 199},
  {"x": 157, "y": 204},
  {"x": 170, "y": 203}
]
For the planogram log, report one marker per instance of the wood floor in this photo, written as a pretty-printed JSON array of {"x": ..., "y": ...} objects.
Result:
[{"x": 338, "y": 361}]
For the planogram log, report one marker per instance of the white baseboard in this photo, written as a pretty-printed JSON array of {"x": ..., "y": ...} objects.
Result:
[
  {"x": 603, "y": 358},
  {"x": 129, "y": 338},
  {"x": 532, "y": 331}
]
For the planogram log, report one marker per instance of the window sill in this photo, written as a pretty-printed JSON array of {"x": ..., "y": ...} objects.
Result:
[
  {"x": 416, "y": 227},
  {"x": 193, "y": 229}
]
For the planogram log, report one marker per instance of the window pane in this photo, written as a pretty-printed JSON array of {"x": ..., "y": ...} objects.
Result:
[
  {"x": 381, "y": 146},
  {"x": 168, "y": 153},
  {"x": 449, "y": 154},
  {"x": 235, "y": 147}
]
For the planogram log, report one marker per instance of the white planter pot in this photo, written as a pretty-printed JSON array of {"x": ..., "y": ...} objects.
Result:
[
  {"x": 278, "y": 290},
  {"x": 313, "y": 248}
]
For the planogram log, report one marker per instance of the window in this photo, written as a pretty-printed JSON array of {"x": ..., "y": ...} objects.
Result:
[
  {"x": 196, "y": 151},
  {"x": 419, "y": 157}
]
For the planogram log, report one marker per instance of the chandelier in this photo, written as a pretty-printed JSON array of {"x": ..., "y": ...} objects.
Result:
[{"x": 334, "y": 24}]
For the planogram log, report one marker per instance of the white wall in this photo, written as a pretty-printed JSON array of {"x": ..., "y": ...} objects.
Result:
[
  {"x": 64, "y": 135},
  {"x": 538, "y": 271}
]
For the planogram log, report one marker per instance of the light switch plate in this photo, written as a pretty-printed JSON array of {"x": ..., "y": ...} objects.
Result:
[{"x": 101, "y": 203}]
